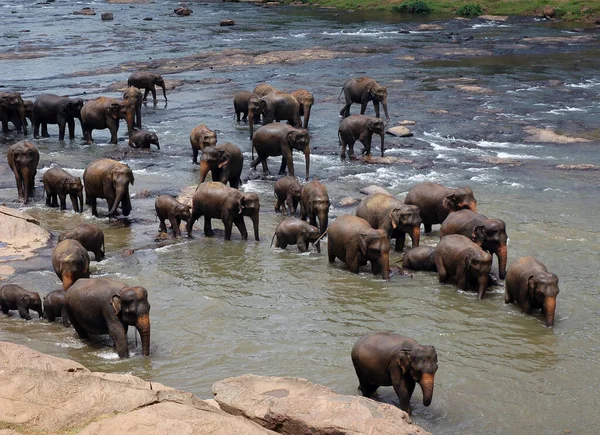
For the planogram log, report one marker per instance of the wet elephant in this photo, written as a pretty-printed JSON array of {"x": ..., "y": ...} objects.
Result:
[
  {"x": 225, "y": 162},
  {"x": 436, "y": 201},
  {"x": 28, "y": 104},
  {"x": 54, "y": 306},
  {"x": 71, "y": 262},
  {"x": 532, "y": 286},
  {"x": 292, "y": 231},
  {"x": 385, "y": 358},
  {"x": 104, "y": 113},
  {"x": 263, "y": 89},
  {"x": 361, "y": 128},
  {"x": 167, "y": 207},
  {"x": 134, "y": 97},
  {"x": 352, "y": 240},
  {"x": 54, "y": 109},
  {"x": 314, "y": 204},
  {"x": 392, "y": 215},
  {"x": 362, "y": 90},
  {"x": 247, "y": 103},
  {"x": 147, "y": 81},
  {"x": 106, "y": 178},
  {"x": 419, "y": 258},
  {"x": 288, "y": 192},
  {"x": 200, "y": 138},
  {"x": 105, "y": 306},
  {"x": 465, "y": 222},
  {"x": 23, "y": 158},
  {"x": 59, "y": 183},
  {"x": 305, "y": 100},
  {"x": 12, "y": 108},
  {"x": 457, "y": 256},
  {"x": 90, "y": 236},
  {"x": 278, "y": 106},
  {"x": 15, "y": 297},
  {"x": 143, "y": 139}
]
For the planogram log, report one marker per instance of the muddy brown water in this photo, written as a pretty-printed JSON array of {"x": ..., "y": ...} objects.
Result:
[{"x": 223, "y": 309}]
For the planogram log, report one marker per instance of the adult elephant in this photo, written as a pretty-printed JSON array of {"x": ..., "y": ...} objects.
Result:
[
  {"x": 436, "y": 201},
  {"x": 23, "y": 158},
  {"x": 352, "y": 240},
  {"x": 532, "y": 286},
  {"x": 147, "y": 81},
  {"x": 385, "y": 358},
  {"x": 218, "y": 201},
  {"x": 392, "y": 215},
  {"x": 306, "y": 100},
  {"x": 105, "y": 306},
  {"x": 12, "y": 108},
  {"x": 201, "y": 137},
  {"x": 134, "y": 97},
  {"x": 458, "y": 256},
  {"x": 263, "y": 89},
  {"x": 360, "y": 127},
  {"x": 314, "y": 203},
  {"x": 225, "y": 162},
  {"x": 279, "y": 140},
  {"x": 103, "y": 113},
  {"x": 278, "y": 106},
  {"x": 90, "y": 236},
  {"x": 71, "y": 262},
  {"x": 248, "y": 104},
  {"x": 54, "y": 109},
  {"x": 465, "y": 222},
  {"x": 59, "y": 183},
  {"x": 362, "y": 90},
  {"x": 109, "y": 179}
]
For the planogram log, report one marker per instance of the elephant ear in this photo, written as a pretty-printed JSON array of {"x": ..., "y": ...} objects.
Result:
[
  {"x": 449, "y": 202},
  {"x": 468, "y": 258},
  {"x": 26, "y": 299},
  {"x": 531, "y": 286},
  {"x": 362, "y": 243},
  {"x": 404, "y": 360},
  {"x": 291, "y": 137},
  {"x": 241, "y": 205},
  {"x": 392, "y": 220},
  {"x": 114, "y": 110},
  {"x": 223, "y": 158},
  {"x": 115, "y": 301},
  {"x": 478, "y": 234}
]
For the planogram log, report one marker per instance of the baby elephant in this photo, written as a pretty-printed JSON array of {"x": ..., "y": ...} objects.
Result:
[
  {"x": 419, "y": 258},
  {"x": 529, "y": 284},
  {"x": 248, "y": 104},
  {"x": 70, "y": 261},
  {"x": 361, "y": 128},
  {"x": 288, "y": 193},
  {"x": 200, "y": 138},
  {"x": 143, "y": 139},
  {"x": 292, "y": 231},
  {"x": 90, "y": 236},
  {"x": 167, "y": 207},
  {"x": 59, "y": 183},
  {"x": 54, "y": 306},
  {"x": 385, "y": 358},
  {"x": 15, "y": 297}
]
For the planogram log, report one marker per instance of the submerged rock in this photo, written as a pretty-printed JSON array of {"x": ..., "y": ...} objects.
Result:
[
  {"x": 227, "y": 23},
  {"x": 548, "y": 135},
  {"x": 85, "y": 11},
  {"x": 106, "y": 16},
  {"x": 581, "y": 167},
  {"x": 374, "y": 160},
  {"x": 369, "y": 190},
  {"x": 183, "y": 11}
]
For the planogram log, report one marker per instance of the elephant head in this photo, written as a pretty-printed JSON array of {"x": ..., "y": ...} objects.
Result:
[
  {"x": 379, "y": 93},
  {"x": 310, "y": 235},
  {"x": 460, "y": 199},
  {"x": 250, "y": 206},
  {"x": 159, "y": 81},
  {"x": 420, "y": 363},
  {"x": 478, "y": 266},
  {"x": 319, "y": 206},
  {"x": 298, "y": 138},
  {"x": 28, "y": 105},
  {"x": 23, "y": 158},
  {"x": 376, "y": 125},
  {"x": 208, "y": 139},
  {"x": 133, "y": 94},
  {"x": 118, "y": 180},
  {"x": 478, "y": 235},
  {"x": 543, "y": 287},
  {"x": 123, "y": 110},
  {"x": 374, "y": 246},
  {"x": 408, "y": 219},
  {"x": 72, "y": 107},
  {"x": 13, "y": 103},
  {"x": 132, "y": 308},
  {"x": 254, "y": 112},
  {"x": 75, "y": 189},
  {"x": 495, "y": 242},
  {"x": 212, "y": 158},
  {"x": 305, "y": 100},
  {"x": 151, "y": 139}
]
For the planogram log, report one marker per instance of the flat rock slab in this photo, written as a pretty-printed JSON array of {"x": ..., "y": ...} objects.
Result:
[
  {"x": 369, "y": 190},
  {"x": 348, "y": 201},
  {"x": 295, "y": 406},
  {"x": 581, "y": 167},
  {"x": 20, "y": 235},
  {"x": 548, "y": 135},
  {"x": 374, "y": 160},
  {"x": 399, "y": 131}
]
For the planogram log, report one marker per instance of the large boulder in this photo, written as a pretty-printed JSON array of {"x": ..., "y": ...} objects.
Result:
[
  {"x": 20, "y": 235},
  {"x": 296, "y": 406}
]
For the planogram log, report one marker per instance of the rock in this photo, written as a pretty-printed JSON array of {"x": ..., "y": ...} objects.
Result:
[
  {"x": 106, "y": 16},
  {"x": 549, "y": 12},
  {"x": 183, "y": 11},
  {"x": 407, "y": 122},
  {"x": 147, "y": 19},
  {"x": 580, "y": 167},
  {"x": 127, "y": 253},
  {"x": 555, "y": 82},
  {"x": 369, "y": 190},
  {"x": 6, "y": 271},
  {"x": 296, "y": 406},
  {"x": 85, "y": 11},
  {"x": 499, "y": 161},
  {"x": 348, "y": 201},
  {"x": 430, "y": 27},
  {"x": 128, "y": 1},
  {"x": 547, "y": 135},
  {"x": 20, "y": 235},
  {"x": 438, "y": 111},
  {"x": 375, "y": 160},
  {"x": 399, "y": 131},
  {"x": 227, "y": 23},
  {"x": 494, "y": 17},
  {"x": 474, "y": 89}
]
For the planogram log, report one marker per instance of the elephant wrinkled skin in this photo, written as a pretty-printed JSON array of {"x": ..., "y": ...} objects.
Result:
[
  {"x": 23, "y": 158},
  {"x": 106, "y": 178}
]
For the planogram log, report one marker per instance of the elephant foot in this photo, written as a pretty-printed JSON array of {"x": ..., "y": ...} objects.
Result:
[{"x": 209, "y": 233}]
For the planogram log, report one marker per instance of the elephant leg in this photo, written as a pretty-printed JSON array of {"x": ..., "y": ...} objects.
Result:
[
  {"x": 400, "y": 240},
  {"x": 61, "y": 130},
  {"x": 241, "y": 226},
  {"x": 345, "y": 112},
  {"x": 48, "y": 198},
  {"x": 162, "y": 227},
  {"x": 114, "y": 129},
  {"x": 174, "y": 226},
  {"x": 330, "y": 253},
  {"x": 4, "y": 308},
  {"x": 278, "y": 205},
  {"x": 507, "y": 297},
  {"x": 404, "y": 392},
  {"x": 190, "y": 223},
  {"x": 64, "y": 317},
  {"x": 19, "y": 182},
  {"x": 439, "y": 264},
  {"x": 94, "y": 205},
  {"x": 119, "y": 336},
  {"x": 153, "y": 89},
  {"x": 36, "y": 129},
  {"x": 302, "y": 244},
  {"x": 195, "y": 158},
  {"x": 265, "y": 167},
  {"x": 363, "y": 107},
  {"x": 375, "y": 267},
  {"x": 98, "y": 254},
  {"x": 23, "y": 312},
  {"x": 366, "y": 388},
  {"x": 351, "y": 154},
  {"x": 283, "y": 166},
  {"x": 352, "y": 259},
  {"x": 376, "y": 107},
  {"x": 427, "y": 228},
  {"x": 45, "y": 129},
  {"x": 82, "y": 333},
  {"x": 138, "y": 116},
  {"x": 343, "y": 144},
  {"x": 146, "y": 92},
  {"x": 71, "y": 123},
  {"x": 208, "y": 231},
  {"x": 462, "y": 275},
  {"x": 63, "y": 201}
]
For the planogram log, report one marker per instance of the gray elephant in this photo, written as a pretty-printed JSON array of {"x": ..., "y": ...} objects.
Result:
[
  {"x": 103, "y": 113},
  {"x": 200, "y": 138},
  {"x": 279, "y": 140},
  {"x": 12, "y": 108},
  {"x": 288, "y": 193},
  {"x": 54, "y": 306},
  {"x": 15, "y": 297},
  {"x": 292, "y": 231},
  {"x": 143, "y": 139},
  {"x": 263, "y": 89},
  {"x": 352, "y": 240},
  {"x": 105, "y": 306},
  {"x": 362, "y": 90},
  {"x": 28, "y": 104},
  {"x": 54, "y": 109},
  {"x": 167, "y": 207},
  {"x": 218, "y": 201},
  {"x": 225, "y": 162},
  {"x": 90, "y": 236},
  {"x": 385, "y": 358},
  {"x": 59, "y": 183},
  {"x": 392, "y": 215},
  {"x": 305, "y": 100},
  {"x": 247, "y": 103},
  {"x": 135, "y": 98},
  {"x": 457, "y": 256},
  {"x": 532, "y": 286},
  {"x": 147, "y": 81},
  {"x": 23, "y": 158},
  {"x": 314, "y": 203},
  {"x": 278, "y": 106},
  {"x": 106, "y": 178},
  {"x": 419, "y": 258},
  {"x": 71, "y": 262},
  {"x": 360, "y": 127}
]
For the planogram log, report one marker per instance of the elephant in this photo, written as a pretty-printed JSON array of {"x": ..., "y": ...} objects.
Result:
[
  {"x": 292, "y": 231},
  {"x": 216, "y": 200},
  {"x": 419, "y": 258},
  {"x": 167, "y": 207},
  {"x": 23, "y": 158},
  {"x": 71, "y": 262},
  {"x": 143, "y": 139},
  {"x": 224, "y": 161},
  {"x": 279, "y": 140},
  {"x": 90, "y": 236},
  {"x": 288, "y": 193},
  {"x": 436, "y": 202},
  {"x": 314, "y": 203},
  {"x": 106, "y": 178},
  {"x": 12, "y": 108},
  {"x": 458, "y": 256},
  {"x": 278, "y": 106},
  {"x": 59, "y": 183},
  {"x": 103, "y": 113},
  {"x": 53, "y": 109},
  {"x": 200, "y": 138},
  {"x": 15, "y": 297},
  {"x": 247, "y": 103},
  {"x": 135, "y": 98},
  {"x": 264, "y": 89},
  {"x": 102, "y": 305},
  {"x": 147, "y": 81},
  {"x": 392, "y": 215},
  {"x": 306, "y": 100},
  {"x": 385, "y": 358},
  {"x": 353, "y": 241},
  {"x": 360, "y": 127},
  {"x": 465, "y": 222},
  {"x": 54, "y": 306},
  {"x": 28, "y": 105},
  {"x": 362, "y": 90},
  {"x": 532, "y": 286}
]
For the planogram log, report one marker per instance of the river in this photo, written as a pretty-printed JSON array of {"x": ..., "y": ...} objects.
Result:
[{"x": 477, "y": 91}]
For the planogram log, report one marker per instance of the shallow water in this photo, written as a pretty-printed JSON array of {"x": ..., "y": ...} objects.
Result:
[{"x": 224, "y": 309}]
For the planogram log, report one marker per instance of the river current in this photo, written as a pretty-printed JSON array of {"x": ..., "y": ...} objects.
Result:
[{"x": 478, "y": 90}]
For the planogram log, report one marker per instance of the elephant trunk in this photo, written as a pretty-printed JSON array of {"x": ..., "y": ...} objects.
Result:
[
  {"x": 384, "y": 262},
  {"x": 549, "y": 309},
  {"x": 426, "y": 384},
  {"x": 415, "y": 235},
  {"x": 75, "y": 202},
  {"x": 27, "y": 187},
  {"x": 204, "y": 168},
  {"x": 482, "y": 284},
  {"x": 120, "y": 195},
  {"x": 382, "y": 146},
  {"x": 129, "y": 120},
  {"x": 164, "y": 88},
  {"x": 251, "y": 126},
  {"x": 255, "y": 225},
  {"x": 501, "y": 252},
  {"x": 323, "y": 216},
  {"x": 80, "y": 197},
  {"x": 143, "y": 327},
  {"x": 306, "y": 115},
  {"x": 384, "y": 104},
  {"x": 68, "y": 279},
  {"x": 307, "y": 160}
]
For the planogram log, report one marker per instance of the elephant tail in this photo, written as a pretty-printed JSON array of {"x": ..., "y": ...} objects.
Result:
[
  {"x": 272, "y": 239},
  {"x": 321, "y": 236},
  {"x": 341, "y": 92},
  {"x": 339, "y": 139}
]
